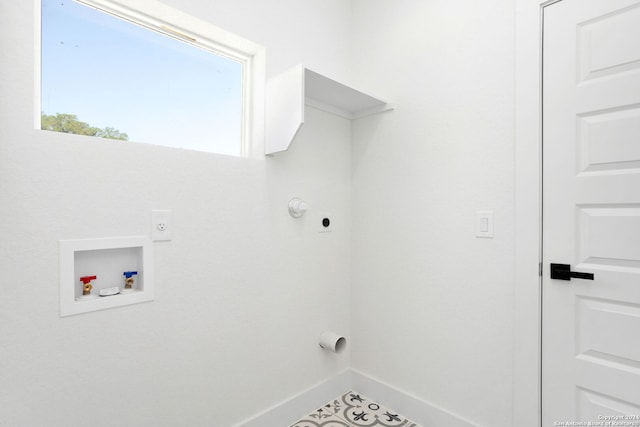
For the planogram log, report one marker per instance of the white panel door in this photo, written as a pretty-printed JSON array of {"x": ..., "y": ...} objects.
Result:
[{"x": 591, "y": 211}]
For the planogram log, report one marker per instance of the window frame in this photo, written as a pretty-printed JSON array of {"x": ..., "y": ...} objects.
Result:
[{"x": 158, "y": 17}]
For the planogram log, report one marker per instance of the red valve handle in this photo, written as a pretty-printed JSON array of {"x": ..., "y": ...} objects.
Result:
[{"x": 87, "y": 279}]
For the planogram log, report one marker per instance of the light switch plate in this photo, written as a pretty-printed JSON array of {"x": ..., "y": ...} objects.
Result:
[{"x": 484, "y": 224}]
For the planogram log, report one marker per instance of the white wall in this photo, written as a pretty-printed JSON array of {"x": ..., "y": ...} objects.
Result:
[
  {"x": 242, "y": 291},
  {"x": 316, "y": 33},
  {"x": 432, "y": 304}
]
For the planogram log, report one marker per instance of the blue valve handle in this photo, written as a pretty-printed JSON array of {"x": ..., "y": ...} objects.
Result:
[{"x": 128, "y": 274}]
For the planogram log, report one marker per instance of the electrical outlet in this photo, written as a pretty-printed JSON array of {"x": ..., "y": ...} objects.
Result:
[
  {"x": 160, "y": 225},
  {"x": 325, "y": 222}
]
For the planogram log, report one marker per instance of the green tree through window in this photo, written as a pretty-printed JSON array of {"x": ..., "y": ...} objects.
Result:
[
  {"x": 113, "y": 74},
  {"x": 69, "y": 123}
]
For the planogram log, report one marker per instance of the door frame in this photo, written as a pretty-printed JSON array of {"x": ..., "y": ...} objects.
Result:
[{"x": 527, "y": 366}]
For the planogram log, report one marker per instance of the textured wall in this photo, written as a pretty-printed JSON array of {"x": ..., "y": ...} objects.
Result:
[
  {"x": 316, "y": 33},
  {"x": 432, "y": 304},
  {"x": 242, "y": 291}
]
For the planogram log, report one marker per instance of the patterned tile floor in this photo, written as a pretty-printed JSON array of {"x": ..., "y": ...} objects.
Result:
[{"x": 354, "y": 410}]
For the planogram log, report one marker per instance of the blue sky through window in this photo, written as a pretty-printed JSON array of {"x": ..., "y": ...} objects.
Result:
[{"x": 159, "y": 90}]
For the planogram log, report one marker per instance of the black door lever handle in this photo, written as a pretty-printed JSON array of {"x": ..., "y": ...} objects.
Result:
[{"x": 563, "y": 272}]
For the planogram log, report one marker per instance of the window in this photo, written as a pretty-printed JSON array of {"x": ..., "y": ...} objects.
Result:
[{"x": 116, "y": 73}]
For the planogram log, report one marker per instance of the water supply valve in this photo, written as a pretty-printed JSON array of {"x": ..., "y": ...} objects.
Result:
[
  {"x": 86, "y": 284},
  {"x": 128, "y": 281}
]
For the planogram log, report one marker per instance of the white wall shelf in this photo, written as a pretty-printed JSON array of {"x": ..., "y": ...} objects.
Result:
[
  {"x": 108, "y": 259},
  {"x": 289, "y": 92}
]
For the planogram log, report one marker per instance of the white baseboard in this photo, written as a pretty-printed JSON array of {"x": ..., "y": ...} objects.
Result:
[
  {"x": 421, "y": 412},
  {"x": 417, "y": 410},
  {"x": 300, "y": 405}
]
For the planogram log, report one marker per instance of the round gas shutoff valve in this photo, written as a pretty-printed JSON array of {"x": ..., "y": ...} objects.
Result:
[{"x": 297, "y": 207}]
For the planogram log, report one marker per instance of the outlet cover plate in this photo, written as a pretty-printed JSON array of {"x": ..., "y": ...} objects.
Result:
[{"x": 161, "y": 225}]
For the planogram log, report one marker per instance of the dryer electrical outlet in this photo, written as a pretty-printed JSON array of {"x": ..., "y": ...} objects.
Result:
[{"x": 324, "y": 222}]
